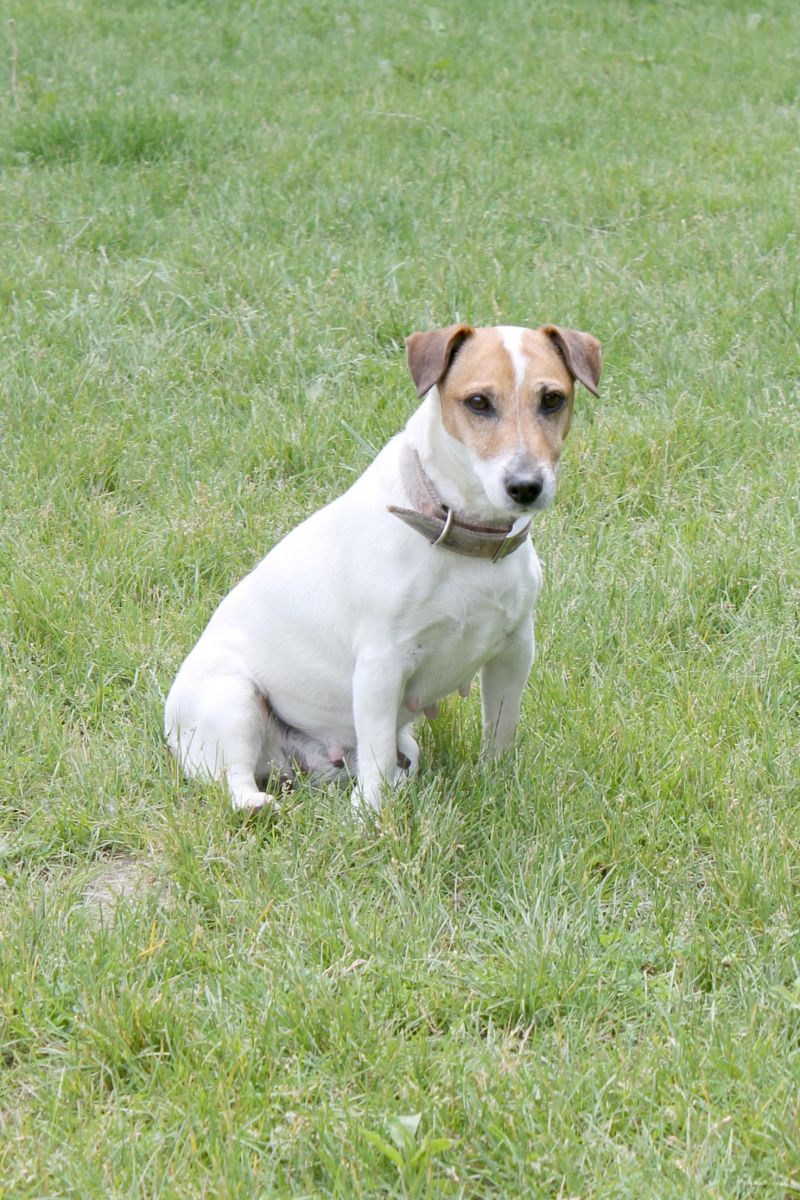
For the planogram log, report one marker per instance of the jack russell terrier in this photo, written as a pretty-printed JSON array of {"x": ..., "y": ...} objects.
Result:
[{"x": 398, "y": 592}]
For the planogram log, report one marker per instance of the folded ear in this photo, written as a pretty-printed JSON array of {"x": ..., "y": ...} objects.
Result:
[
  {"x": 430, "y": 354},
  {"x": 580, "y": 352}
]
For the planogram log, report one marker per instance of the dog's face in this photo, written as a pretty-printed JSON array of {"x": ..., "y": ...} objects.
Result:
[{"x": 506, "y": 395}]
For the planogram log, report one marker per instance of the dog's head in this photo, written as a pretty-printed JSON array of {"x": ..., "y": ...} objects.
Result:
[{"x": 506, "y": 395}]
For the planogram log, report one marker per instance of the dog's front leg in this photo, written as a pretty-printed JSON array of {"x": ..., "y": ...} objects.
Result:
[
  {"x": 377, "y": 692},
  {"x": 502, "y": 681}
]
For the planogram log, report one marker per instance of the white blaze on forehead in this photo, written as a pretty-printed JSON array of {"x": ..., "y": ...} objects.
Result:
[{"x": 511, "y": 337}]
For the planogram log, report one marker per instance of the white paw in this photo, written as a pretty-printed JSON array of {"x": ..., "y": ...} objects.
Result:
[
  {"x": 251, "y": 800},
  {"x": 366, "y": 799},
  {"x": 407, "y": 746}
]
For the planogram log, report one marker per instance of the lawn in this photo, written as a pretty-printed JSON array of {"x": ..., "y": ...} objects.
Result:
[{"x": 573, "y": 975}]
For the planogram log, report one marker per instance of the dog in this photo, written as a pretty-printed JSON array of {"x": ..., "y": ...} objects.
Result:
[{"x": 397, "y": 593}]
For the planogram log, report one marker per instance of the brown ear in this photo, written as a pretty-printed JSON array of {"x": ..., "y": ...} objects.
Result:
[
  {"x": 430, "y": 354},
  {"x": 581, "y": 353}
]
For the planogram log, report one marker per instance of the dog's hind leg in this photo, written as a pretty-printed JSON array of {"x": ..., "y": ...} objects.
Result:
[{"x": 222, "y": 728}]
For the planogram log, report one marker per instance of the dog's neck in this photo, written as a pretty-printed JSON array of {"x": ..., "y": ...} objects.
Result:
[{"x": 447, "y": 463}]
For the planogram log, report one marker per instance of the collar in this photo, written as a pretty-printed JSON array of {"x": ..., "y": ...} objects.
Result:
[{"x": 442, "y": 526}]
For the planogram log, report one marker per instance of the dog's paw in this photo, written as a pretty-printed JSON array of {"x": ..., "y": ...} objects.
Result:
[
  {"x": 366, "y": 800},
  {"x": 407, "y": 755},
  {"x": 251, "y": 800},
  {"x": 368, "y": 795}
]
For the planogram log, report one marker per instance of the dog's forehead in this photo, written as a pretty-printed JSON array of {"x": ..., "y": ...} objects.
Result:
[{"x": 507, "y": 356}]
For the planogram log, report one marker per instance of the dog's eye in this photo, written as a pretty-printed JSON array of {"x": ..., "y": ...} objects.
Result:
[
  {"x": 479, "y": 404},
  {"x": 552, "y": 401}
]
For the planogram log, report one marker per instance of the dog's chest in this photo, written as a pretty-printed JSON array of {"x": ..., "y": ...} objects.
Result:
[{"x": 455, "y": 632}]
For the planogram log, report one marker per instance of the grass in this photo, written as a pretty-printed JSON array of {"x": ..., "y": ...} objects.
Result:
[{"x": 578, "y": 975}]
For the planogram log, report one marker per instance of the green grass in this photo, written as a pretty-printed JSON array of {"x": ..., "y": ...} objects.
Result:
[{"x": 581, "y": 971}]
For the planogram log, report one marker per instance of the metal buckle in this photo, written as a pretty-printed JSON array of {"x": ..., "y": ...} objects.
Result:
[
  {"x": 511, "y": 542},
  {"x": 505, "y": 548},
  {"x": 438, "y": 541}
]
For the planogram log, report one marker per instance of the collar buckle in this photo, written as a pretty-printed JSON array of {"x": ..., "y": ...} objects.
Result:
[
  {"x": 508, "y": 545},
  {"x": 442, "y": 538}
]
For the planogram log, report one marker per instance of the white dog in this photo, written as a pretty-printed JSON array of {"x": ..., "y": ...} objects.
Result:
[{"x": 399, "y": 591}]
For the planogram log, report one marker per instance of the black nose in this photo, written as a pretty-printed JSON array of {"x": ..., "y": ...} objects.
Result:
[{"x": 524, "y": 489}]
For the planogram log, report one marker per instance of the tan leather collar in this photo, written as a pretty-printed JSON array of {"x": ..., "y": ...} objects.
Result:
[{"x": 442, "y": 526}]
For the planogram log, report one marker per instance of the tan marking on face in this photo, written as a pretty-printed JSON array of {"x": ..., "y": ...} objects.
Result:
[{"x": 519, "y": 428}]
